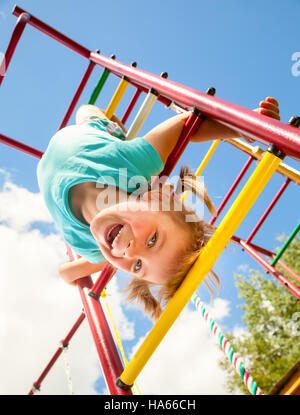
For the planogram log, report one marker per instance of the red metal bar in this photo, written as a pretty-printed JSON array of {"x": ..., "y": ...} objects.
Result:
[
  {"x": 20, "y": 146},
  {"x": 53, "y": 33},
  {"x": 257, "y": 126},
  {"x": 131, "y": 105},
  {"x": 104, "y": 278},
  {"x": 191, "y": 125},
  {"x": 110, "y": 360},
  {"x": 288, "y": 269},
  {"x": 64, "y": 343},
  {"x": 250, "y": 123},
  {"x": 17, "y": 33},
  {"x": 270, "y": 255},
  {"x": 268, "y": 210},
  {"x": 232, "y": 189},
  {"x": 77, "y": 95},
  {"x": 281, "y": 278},
  {"x": 164, "y": 100},
  {"x": 256, "y": 247}
]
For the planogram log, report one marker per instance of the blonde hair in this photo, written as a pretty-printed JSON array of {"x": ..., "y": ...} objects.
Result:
[{"x": 140, "y": 290}]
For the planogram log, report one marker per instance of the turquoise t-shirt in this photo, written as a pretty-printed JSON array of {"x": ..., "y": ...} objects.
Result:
[{"x": 89, "y": 152}]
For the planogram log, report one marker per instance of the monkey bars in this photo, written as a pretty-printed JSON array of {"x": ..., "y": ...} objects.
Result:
[{"x": 282, "y": 139}]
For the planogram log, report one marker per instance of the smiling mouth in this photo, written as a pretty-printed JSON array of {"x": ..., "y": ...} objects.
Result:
[{"x": 112, "y": 233}]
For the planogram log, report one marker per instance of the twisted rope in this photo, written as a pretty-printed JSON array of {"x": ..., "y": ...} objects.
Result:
[{"x": 225, "y": 345}]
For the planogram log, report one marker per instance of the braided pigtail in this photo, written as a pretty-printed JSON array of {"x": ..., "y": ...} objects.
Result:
[
  {"x": 188, "y": 181},
  {"x": 139, "y": 291}
]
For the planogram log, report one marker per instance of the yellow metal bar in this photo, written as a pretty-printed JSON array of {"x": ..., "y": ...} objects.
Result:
[
  {"x": 112, "y": 106},
  {"x": 258, "y": 153},
  {"x": 203, "y": 264},
  {"x": 292, "y": 387},
  {"x": 141, "y": 116},
  {"x": 203, "y": 164}
]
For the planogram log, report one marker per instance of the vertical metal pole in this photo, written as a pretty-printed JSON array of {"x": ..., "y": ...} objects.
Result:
[
  {"x": 232, "y": 189},
  {"x": 203, "y": 164},
  {"x": 98, "y": 87},
  {"x": 17, "y": 33},
  {"x": 104, "y": 278},
  {"x": 191, "y": 126},
  {"x": 120, "y": 91},
  {"x": 268, "y": 210},
  {"x": 131, "y": 106},
  {"x": 109, "y": 358},
  {"x": 281, "y": 278},
  {"x": 142, "y": 114},
  {"x": 100, "y": 84},
  {"x": 286, "y": 244},
  {"x": 77, "y": 95}
]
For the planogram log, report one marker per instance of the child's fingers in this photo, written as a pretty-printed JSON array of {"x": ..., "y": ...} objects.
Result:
[
  {"x": 268, "y": 112},
  {"x": 269, "y": 106},
  {"x": 272, "y": 101}
]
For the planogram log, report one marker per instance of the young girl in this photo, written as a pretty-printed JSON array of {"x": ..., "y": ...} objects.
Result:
[{"x": 88, "y": 176}]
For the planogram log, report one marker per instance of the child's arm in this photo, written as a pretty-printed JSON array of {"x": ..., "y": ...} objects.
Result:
[
  {"x": 165, "y": 136},
  {"x": 73, "y": 270}
]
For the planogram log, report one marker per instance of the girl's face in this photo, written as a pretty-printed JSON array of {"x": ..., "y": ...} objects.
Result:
[{"x": 141, "y": 241}]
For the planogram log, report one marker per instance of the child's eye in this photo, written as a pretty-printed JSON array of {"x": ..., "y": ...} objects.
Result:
[
  {"x": 138, "y": 265},
  {"x": 153, "y": 240}
]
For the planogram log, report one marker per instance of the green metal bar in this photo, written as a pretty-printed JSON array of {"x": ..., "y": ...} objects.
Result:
[
  {"x": 285, "y": 245},
  {"x": 99, "y": 86}
]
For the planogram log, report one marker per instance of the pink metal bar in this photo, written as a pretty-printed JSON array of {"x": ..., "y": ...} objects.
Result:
[
  {"x": 190, "y": 126},
  {"x": 256, "y": 247},
  {"x": 288, "y": 269},
  {"x": 20, "y": 146},
  {"x": 131, "y": 105},
  {"x": 104, "y": 278},
  {"x": 64, "y": 343},
  {"x": 256, "y": 126},
  {"x": 268, "y": 210},
  {"x": 108, "y": 354},
  {"x": 17, "y": 33},
  {"x": 77, "y": 95},
  {"x": 110, "y": 360},
  {"x": 269, "y": 254},
  {"x": 232, "y": 189},
  {"x": 281, "y": 278},
  {"x": 53, "y": 33}
]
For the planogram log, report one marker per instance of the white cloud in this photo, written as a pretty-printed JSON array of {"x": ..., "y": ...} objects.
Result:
[
  {"x": 243, "y": 268},
  {"x": 19, "y": 208},
  {"x": 186, "y": 361},
  {"x": 37, "y": 309},
  {"x": 219, "y": 309}
]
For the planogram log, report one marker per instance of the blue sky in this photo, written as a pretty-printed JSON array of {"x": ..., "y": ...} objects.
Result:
[{"x": 244, "y": 49}]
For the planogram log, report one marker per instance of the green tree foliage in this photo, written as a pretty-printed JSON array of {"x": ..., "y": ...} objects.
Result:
[{"x": 271, "y": 343}]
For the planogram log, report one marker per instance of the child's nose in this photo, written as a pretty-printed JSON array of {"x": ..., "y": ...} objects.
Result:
[
  {"x": 129, "y": 250},
  {"x": 133, "y": 249}
]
